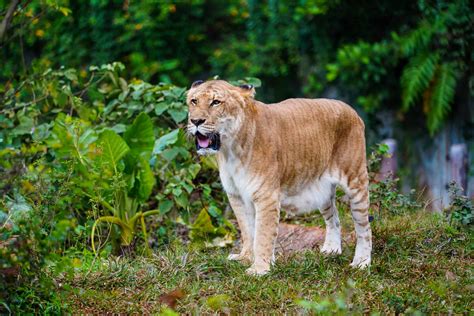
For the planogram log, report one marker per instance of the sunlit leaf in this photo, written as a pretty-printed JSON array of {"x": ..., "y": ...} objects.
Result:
[
  {"x": 114, "y": 148},
  {"x": 165, "y": 140},
  {"x": 140, "y": 138},
  {"x": 178, "y": 115}
]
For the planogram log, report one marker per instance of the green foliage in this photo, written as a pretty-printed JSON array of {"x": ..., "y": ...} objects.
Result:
[
  {"x": 417, "y": 76},
  {"x": 461, "y": 210},
  {"x": 433, "y": 58},
  {"x": 298, "y": 48},
  {"x": 138, "y": 34},
  {"x": 442, "y": 95},
  {"x": 36, "y": 227},
  {"x": 135, "y": 149},
  {"x": 385, "y": 196},
  {"x": 203, "y": 231},
  {"x": 81, "y": 150}
]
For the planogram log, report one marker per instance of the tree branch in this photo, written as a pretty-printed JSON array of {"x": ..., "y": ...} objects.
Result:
[{"x": 8, "y": 17}]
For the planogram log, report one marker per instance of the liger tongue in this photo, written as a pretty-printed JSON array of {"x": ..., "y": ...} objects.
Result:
[{"x": 203, "y": 142}]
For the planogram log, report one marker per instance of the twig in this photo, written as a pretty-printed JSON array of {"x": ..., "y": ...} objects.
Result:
[
  {"x": 22, "y": 25},
  {"x": 8, "y": 17}
]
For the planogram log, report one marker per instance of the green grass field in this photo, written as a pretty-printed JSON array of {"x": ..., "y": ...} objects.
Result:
[{"x": 420, "y": 264}]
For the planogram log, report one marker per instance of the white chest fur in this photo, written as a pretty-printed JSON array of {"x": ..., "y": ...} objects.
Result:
[{"x": 236, "y": 178}]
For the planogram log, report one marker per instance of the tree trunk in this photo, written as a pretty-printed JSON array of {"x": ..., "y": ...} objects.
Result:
[{"x": 458, "y": 164}]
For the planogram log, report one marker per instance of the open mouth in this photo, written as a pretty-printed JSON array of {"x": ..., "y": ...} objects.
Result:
[{"x": 209, "y": 141}]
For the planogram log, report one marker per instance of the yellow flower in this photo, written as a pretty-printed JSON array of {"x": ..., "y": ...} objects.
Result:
[
  {"x": 39, "y": 33},
  {"x": 76, "y": 262}
]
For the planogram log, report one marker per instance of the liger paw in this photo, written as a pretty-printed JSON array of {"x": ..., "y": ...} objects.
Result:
[
  {"x": 331, "y": 249},
  {"x": 239, "y": 257},
  {"x": 361, "y": 263},
  {"x": 257, "y": 271}
]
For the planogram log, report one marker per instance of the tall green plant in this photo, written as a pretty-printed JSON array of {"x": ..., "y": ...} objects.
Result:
[
  {"x": 113, "y": 170},
  {"x": 128, "y": 159}
]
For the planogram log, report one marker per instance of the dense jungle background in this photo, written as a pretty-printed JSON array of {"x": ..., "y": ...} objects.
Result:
[{"x": 105, "y": 207}]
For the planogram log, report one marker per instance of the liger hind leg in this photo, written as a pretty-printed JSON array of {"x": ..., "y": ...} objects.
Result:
[
  {"x": 245, "y": 215},
  {"x": 359, "y": 200},
  {"x": 332, "y": 241}
]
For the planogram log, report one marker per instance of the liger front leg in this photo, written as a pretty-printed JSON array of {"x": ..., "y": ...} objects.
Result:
[
  {"x": 245, "y": 215},
  {"x": 267, "y": 214}
]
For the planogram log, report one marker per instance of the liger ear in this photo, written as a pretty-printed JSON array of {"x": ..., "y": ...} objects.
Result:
[
  {"x": 246, "y": 86},
  {"x": 247, "y": 89},
  {"x": 197, "y": 83}
]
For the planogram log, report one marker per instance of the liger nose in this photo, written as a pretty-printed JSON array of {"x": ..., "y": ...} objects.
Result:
[{"x": 197, "y": 122}]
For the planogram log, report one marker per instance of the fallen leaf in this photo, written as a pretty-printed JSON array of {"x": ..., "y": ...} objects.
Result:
[{"x": 171, "y": 298}]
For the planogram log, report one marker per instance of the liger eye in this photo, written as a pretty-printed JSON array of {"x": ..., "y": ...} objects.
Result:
[
  {"x": 215, "y": 102},
  {"x": 194, "y": 101}
]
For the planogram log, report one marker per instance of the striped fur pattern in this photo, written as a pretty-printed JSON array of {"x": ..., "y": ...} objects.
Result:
[{"x": 289, "y": 155}]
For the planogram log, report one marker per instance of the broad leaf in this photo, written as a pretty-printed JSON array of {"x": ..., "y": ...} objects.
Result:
[
  {"x": 71, "y": 138},
  {"x": 140, "y": 137},
  {"x": 178, "y": 115},
  {"x": 114, "y": 148},
  {"x": 143, "y": 180},
  {"x": 165, "y": 206},
  {"x": 165, "y": 140},
  {"x": 146, "y": 179},
  {"x": 161, "y": 107}
]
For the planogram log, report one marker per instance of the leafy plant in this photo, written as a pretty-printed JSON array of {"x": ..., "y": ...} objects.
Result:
[
  {"x": 385, "y": 196},
  {"x": 35, "y": 229},
  {"x": 205, "y": 232},
  {"x": 461, "y": 210},
  {"x": 128, "y": 160},
  {"x": 115, "y": 172},
  {"x": 433, "y": 58}
]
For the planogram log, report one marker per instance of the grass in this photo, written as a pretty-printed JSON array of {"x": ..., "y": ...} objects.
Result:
[{"x": 420, "y": 264}]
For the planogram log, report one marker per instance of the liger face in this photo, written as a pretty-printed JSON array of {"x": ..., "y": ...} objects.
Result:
[
  {"x": 213, "y": 107},
  {"x": 215, "y": 111},
  {"x": 206, "y": 107}
]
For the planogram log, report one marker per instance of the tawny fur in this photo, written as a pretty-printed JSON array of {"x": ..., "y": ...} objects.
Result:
[{"x": 288, "y": 155}]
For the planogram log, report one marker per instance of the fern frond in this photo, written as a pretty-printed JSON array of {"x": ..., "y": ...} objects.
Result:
[
  {"x": 416, "y": 40},
  {"x": 444, "y": 88},
  {"x": 416, "y": 77}
]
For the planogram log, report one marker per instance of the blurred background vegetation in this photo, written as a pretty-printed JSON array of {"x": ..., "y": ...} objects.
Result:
[
  {"x": 80, "y": 77},
  {"x": 405, "y": 65}
]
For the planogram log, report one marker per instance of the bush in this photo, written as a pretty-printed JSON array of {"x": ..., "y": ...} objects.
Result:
[{"x": 70, "y": 155}]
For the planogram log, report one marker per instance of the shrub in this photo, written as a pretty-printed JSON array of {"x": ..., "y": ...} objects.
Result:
[{"x": 461, "y": 210}]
